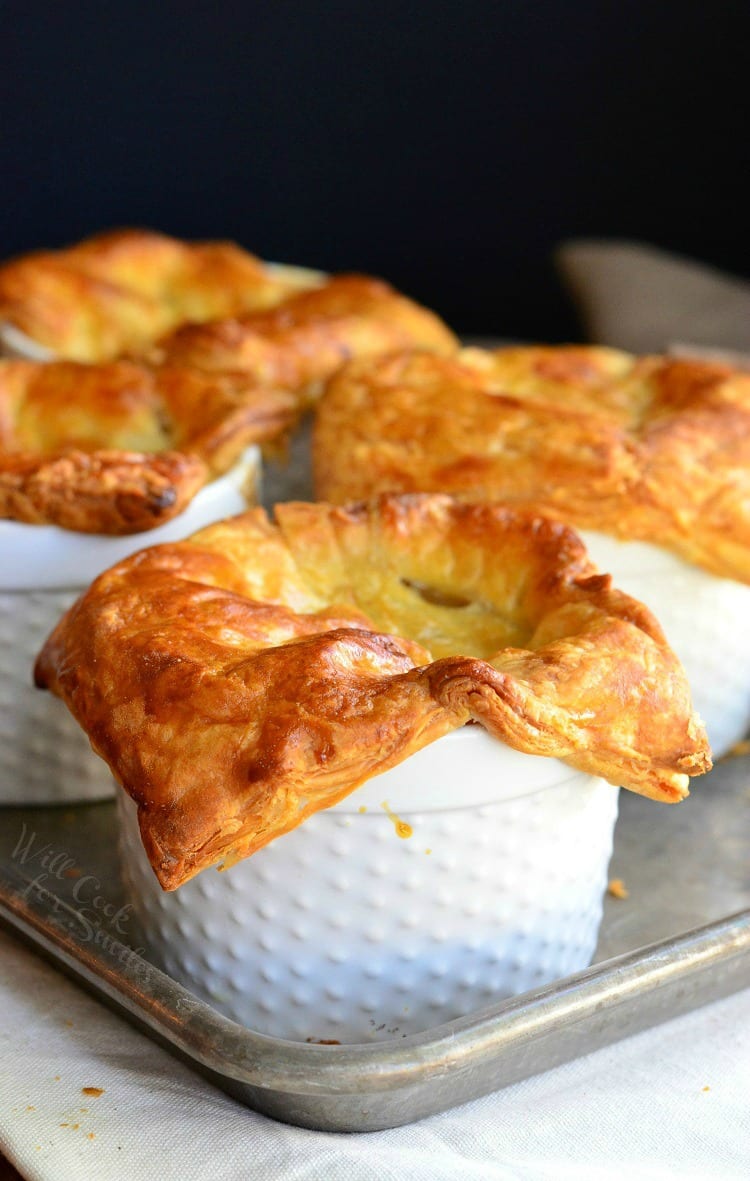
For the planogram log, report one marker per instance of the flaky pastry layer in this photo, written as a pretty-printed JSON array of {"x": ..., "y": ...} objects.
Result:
[
  {"x": 301, "y": 343},
  {"x": 122, "y": 447},
  {"x": 244, "y": 679},
  {"x": 653, "y": 448},
  {"x": 119, "y": 291}
]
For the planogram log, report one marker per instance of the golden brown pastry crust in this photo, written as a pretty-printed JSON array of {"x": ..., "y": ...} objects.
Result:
[
  {"x": 241, "y": 680},
  {"x": 120, "y": 291},
  {"x": 299, "y": 344},
  {"x": 121, "y": 447},
  {"x": 654, "y": 449}
]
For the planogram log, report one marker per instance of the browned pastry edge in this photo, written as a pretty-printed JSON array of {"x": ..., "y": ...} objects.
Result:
[
  {"x": 652, "y": 449},
  {"x": 241, "y": 680},
  {"x": 99, "y": 492},
  {"x": 196, "y": 426},
  {"x": 119, "y": 291},
  {"x": 300, "y": 343}
]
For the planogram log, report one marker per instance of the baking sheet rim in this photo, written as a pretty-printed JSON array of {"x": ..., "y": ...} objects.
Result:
[{"x": 531, "y": 1026}]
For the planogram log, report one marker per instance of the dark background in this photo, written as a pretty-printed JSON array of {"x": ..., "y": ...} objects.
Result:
[{"x": 446, "y": 146}]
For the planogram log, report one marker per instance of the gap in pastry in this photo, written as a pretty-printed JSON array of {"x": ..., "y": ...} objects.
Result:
[
  {"x": 443, "y": 592},
  {"x": 441, "y": 620},
  {"x": 435, "y": 595}
]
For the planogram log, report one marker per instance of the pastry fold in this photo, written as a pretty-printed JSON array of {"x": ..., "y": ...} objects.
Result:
[
  {"x": 122, "y": 447},
  {"x": 119, "y": 291},
  {"x": 653, "y": 449},
  {"x": 260, "y": 671},
  {"x": 302, "y": 342}
]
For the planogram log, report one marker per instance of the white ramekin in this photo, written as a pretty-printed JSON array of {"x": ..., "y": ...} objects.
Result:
[
  {"x": 45, "y": 758},
  {"x": 706, "y": 622},
  {"x": 342, "y": 930},
  {"x": 15, "y": 343}
]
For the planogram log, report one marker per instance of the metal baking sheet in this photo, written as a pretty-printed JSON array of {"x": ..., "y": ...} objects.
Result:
[{"x": 680, "y": 939}]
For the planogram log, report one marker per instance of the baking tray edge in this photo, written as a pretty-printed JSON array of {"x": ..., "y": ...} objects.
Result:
[{"x": 370, "y": 1087}]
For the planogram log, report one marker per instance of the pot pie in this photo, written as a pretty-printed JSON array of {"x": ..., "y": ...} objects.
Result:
[
  {"x": 299, "y": 344},
  {"x": 649, "y": 456},
  {"x": 119, "y": 291},
  {"x": 655, "y": 449},
  {"x": 93, "y": 458},
  {"x": 258, "y": 672},
  {"x": 122, "y": 447}
]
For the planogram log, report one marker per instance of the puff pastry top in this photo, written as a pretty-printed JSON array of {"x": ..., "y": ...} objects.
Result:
[
  {"x": 120, "y": 291},
  {"x": 241, "y": 680},
  {"x": 653, "y": 448},
  {"x": 121, "y": 447},
  {"x": 300, "y": 343}
]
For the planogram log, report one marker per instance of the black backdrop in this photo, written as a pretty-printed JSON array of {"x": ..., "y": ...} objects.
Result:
[{"x": 447, "y": 146}]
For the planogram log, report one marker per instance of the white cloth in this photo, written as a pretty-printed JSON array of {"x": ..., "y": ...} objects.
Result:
[{"x": 673, "y": 1102}]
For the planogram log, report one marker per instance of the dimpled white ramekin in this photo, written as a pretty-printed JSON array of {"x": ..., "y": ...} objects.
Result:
[
  {"x": 45, "y": 757},
  {"x": 706, "y": 621},
  {"x": 342, "y": 930}
]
